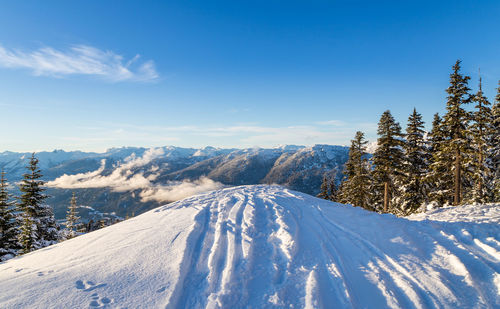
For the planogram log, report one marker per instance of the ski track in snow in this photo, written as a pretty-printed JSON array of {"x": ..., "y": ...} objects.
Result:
[{"x": 267, "y": 247}]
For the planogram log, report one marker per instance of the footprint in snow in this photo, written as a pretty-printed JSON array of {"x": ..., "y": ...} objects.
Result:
[
  {"x": 80, "y": 285},
  {"x": 105, "y": 300},
  {"x": 88, "y": 285},
  {"x": 96, "y": 300},
  {"x": 100, "y": 302},
  {"x": 43, "y": 273}
]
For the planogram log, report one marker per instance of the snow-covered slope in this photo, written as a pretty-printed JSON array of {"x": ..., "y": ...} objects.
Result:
[{"x": 266, "y": 246}]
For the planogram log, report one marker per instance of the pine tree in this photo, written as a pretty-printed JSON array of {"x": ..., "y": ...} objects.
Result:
[
  {"x": 415, "y": 166},
  {"x": 482, "y": 134},
  {"x": 329, "y": 190},
  {"x": 8, "y": 227},
  {"x": 438, "y": 181},
  {"x": 324, "y": 194},
  {"x": 27, "y": 236},
  {"x": 333, "y": 191},
  {"x": 457, "y": 136},
  {"x": 387, "y": 161},
  {"x": 494, "y": 146},
  {"x": 355, "y": 187},
  {"x": 39, "y": 227},
  {"x": 72, "y": 218}
]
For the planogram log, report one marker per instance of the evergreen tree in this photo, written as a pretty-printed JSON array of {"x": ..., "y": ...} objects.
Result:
[
  {"x": 438, "y": 181},
  {"x": 27, "y": 236},
  {"x": 333, "y": 191},
  {"x": 355, "y": 187},
  {"x": 456, "y": 144},
  {"x": 387, "y": 161},
  {"x": 39, "y": 227},
  {"x": 328, "y": 189},
  {"x": 482, "y": 134},
  {"x": 8, "y": 227},
  {"x": 415, "y": 166},
  {"x": 324, "y": 194},
  {"x": 494, "y": 146},
  {"x": 72, "y": 218}
]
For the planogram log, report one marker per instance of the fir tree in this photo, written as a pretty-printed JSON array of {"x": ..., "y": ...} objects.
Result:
[
  {"x": 415, "y": 166},
  {"x": 438, "y": 181},
  {"x": 355, "y": 187},
  {"x": 8, "y": 227},
  {"x": 494, "y": 146},
  {"x": 39, "y": 227},
  {"x": 324, "y": 194},
  {"x": 27, "y": 236},
  {"x": 482, "y": 134},
  {"x": 328, "y": 189},
  {"x": 333, "y": 191},
  {"x": 455, "y": 126},
  {"x": 72, "y": 218},
  {"x": 387, "y": 161}
]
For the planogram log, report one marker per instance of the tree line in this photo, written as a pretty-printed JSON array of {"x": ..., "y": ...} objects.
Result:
[
  {"x": 27, "y": 223},
  {"x": 457, "y": 162}
]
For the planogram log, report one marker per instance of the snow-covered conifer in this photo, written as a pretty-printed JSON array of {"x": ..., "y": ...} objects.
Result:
[
  {"x": 438, "y": 182},
  {"x": 482, "y": 133},
  {"x": 333, "y": 191},
  {"x": 8, "y": 228},
  {"x": 457, "y": 137},
  {"x": 71, "y": 219},
  {"x": 39, "y": 227},
  {"x": 415, "y": 166},
  {"x": 494, "y": 146},
  {"x": 387, "y": 161},
  {"x": 355, "y": 187},
  {"x": 324, "y": 194}
]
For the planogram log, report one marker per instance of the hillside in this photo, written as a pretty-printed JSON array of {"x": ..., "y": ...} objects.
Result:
[{"x": 267, "y": 247}]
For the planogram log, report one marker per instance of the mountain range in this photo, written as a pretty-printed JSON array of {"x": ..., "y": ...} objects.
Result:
[{"x": 131, "y": 180}]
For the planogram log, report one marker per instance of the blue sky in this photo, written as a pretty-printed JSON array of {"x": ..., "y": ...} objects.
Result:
[{"x": 91, "y": 75}]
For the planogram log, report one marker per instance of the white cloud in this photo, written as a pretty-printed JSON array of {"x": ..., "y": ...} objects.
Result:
[
  {"x": 79, "y": 60},
  {"x": 123, "y": 179},
  {"x": 335, "y": 123},
  {"x": 179, "y": 190}
]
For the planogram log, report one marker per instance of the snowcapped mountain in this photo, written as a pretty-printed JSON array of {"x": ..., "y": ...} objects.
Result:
[
  {"x": 133, "y": 180},
  {"x": 267, "y": 247}
]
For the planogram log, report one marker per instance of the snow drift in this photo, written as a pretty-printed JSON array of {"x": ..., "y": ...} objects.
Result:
[{"x": 266, "y": 246}]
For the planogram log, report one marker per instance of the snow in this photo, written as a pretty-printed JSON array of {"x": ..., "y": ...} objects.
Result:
[{"x": 264, "y": 247}]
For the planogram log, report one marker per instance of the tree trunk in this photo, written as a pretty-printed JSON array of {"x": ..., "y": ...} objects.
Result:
[
  {"x": 386, "y": 196},
  {"x": 456, "y": 198}
]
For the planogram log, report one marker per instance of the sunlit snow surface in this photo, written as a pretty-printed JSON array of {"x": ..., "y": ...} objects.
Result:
[{"x": 266, "y": 246}]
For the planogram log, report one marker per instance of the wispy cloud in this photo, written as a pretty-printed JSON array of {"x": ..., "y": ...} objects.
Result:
[
  {"x": 335, "y": 123},
  {"x": 79, "y": 60}
]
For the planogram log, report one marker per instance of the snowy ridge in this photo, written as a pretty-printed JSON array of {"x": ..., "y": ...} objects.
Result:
[{"x": 266, "y": 246}]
